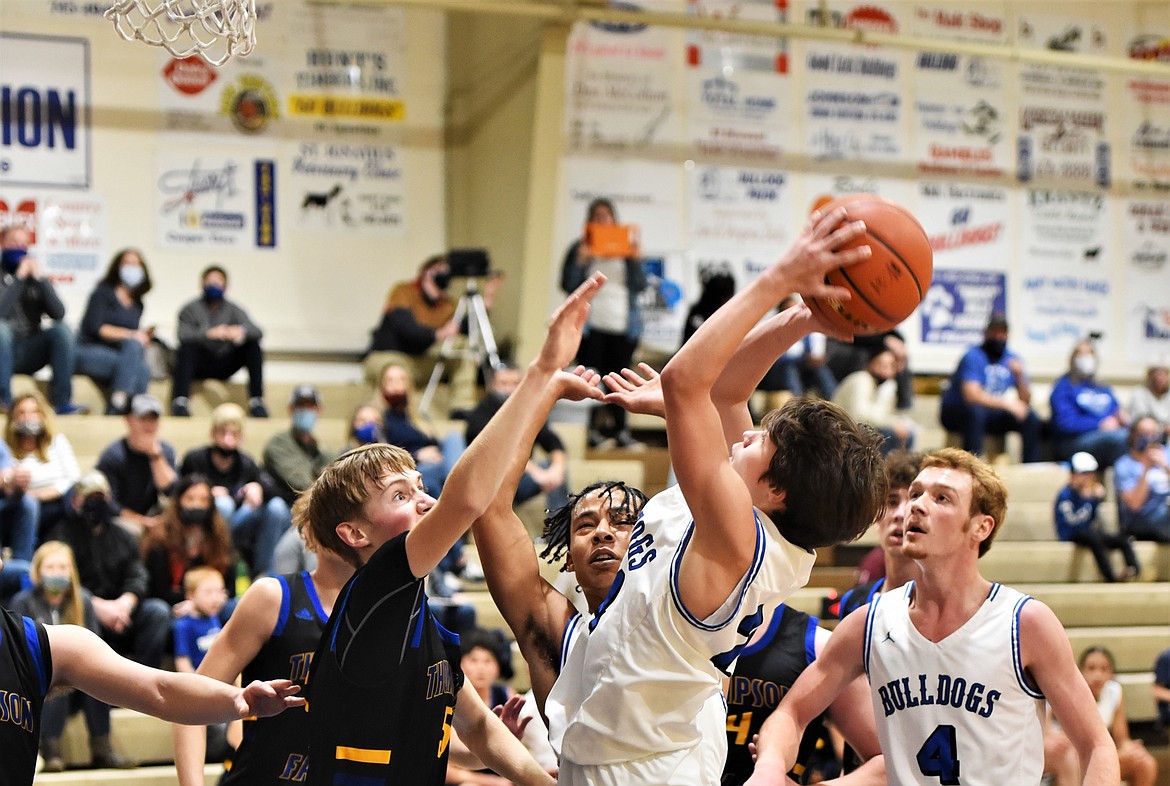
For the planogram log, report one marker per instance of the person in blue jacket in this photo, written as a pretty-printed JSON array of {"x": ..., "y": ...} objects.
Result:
[
  {"x": 1075, "y": 513},
  {"x": 1086, "y": 415}
]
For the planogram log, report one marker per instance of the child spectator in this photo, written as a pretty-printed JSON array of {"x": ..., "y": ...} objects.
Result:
[
  {"x": 1076, "y": 518},
  {"x": 57, "y": 598},
  {"x": 195, "y": 631}
]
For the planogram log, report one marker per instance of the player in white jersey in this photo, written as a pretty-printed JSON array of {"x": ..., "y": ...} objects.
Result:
[
  {"x": 638, "y": 698},
  {"x": 958, "y": 666}
]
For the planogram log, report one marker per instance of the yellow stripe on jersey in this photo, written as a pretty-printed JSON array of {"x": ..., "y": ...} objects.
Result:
[{"x": 363, "y": 755}]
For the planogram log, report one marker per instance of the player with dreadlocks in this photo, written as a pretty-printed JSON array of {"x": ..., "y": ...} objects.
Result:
[{"x": 591, "y": 533}]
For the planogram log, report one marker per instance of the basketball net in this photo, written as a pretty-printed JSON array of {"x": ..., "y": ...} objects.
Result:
[{"x": 216, "y": 29}]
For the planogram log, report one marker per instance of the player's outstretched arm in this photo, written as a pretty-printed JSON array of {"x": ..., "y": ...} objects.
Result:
[
  {"x": 837, "y": 666},
  {"x": 82, "y": 660},
  {"x": 723, "y": 545},
  {"x": 477, "y": 475},
  {"x": 489, "y": 739},
  {"x": 237, "y": 644},
  {"x": 1048, "y": 660},
  {"x": 533, "y": 609}
]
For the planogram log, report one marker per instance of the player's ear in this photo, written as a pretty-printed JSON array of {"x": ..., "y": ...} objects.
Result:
[
  {"x": 569, "y": 563},
  {"x": 351, "y": 534},
  {"x": 981, "y": 527},
  {"x": 776, "y": 499}
]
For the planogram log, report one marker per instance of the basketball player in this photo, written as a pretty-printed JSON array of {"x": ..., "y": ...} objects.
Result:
[
  {"x": 959, "y": 667},
  {"x": 36, "y": 658},
  {"x": 273, "y": 632},
  {"x": 901, "y": 469},
  {"x": 639, "y": 695},
  {"x": 385, "y": 676}
]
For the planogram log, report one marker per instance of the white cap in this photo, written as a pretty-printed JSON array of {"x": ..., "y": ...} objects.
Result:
[{"x": 1083, "y": 462}]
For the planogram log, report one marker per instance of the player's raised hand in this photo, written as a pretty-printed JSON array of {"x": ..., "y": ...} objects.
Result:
[
  {"x": 634, "y": 392},
  {"x": 566, "y": 324},
  {"x": 579, "y": 384},
  {"x": 818, "y": 250},
  {"x": 509, "y": 713},
  {"x": 262, "y": 699}
]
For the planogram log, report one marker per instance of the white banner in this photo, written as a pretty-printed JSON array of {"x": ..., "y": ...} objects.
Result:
[
  {"x": 45, "y": 104},
  {"x": 1146, "y": 315}
]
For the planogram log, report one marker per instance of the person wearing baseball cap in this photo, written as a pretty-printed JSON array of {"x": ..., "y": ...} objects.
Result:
[
  {"x": 294, "y": 458},
  {"x": 1075, "y": 513},
  {"x": 141, "y": 467}
]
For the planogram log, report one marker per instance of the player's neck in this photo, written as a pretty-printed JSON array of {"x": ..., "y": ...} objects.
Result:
[
  {"x": 946, "y": 596},
  {"x": 329, "y": 577}
]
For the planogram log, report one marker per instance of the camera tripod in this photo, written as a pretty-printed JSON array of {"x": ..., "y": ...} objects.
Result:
[{"x": 480, "y": 340}]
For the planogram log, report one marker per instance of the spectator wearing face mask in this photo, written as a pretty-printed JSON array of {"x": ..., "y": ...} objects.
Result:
[
  {"x": 294, "y": 458},
  {"x": 1142, "y": 476},
  {"x": 26, "y": 298},
  {"x": 244, "y": 494},
  {"x": 46, "y": 455},
  {"x": 1086, "y": 416},
  {"x": 870, "y": 395},
  {"x": 217, "y": 339},
  {"x": 111, "y": 342},
  {"x": 989, "y": 393},
  {"x": 190, "y": 533},
  {"x": 433, "y": 459},
  {"x": 110, "y": 567}
]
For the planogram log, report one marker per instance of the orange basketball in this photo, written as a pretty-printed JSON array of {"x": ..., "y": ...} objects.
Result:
[{"x": 889, "y": 285}]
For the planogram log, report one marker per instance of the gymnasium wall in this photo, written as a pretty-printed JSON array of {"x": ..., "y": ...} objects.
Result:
[{"x": 700, "y": 138}]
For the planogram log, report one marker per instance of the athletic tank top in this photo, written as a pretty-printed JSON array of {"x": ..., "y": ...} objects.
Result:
[
  {"x": 26, "y": 670},
  {"x": 763, "y": 674},
  {"x": 276, "y": 750},
  {"x": 959, "y": 711}
]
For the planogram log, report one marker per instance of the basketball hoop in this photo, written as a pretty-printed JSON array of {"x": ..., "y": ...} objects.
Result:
[{"x": 216, "y": 29}]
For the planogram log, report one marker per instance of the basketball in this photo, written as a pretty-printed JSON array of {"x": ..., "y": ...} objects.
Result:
[{"x": 889, "y": 285}]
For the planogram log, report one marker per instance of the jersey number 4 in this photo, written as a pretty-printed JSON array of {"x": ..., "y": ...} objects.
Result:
[{"x": 939, "y": 756}]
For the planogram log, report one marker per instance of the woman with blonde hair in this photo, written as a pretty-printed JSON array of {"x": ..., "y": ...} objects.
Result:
[
  {"x": 46, "y": 468},
  {"x": 57, "y": 598}
]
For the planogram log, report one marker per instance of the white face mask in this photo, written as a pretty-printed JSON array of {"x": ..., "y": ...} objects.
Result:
[
  {"x": 1085, "y": 365},
  {"x": 131, "y": 275}
]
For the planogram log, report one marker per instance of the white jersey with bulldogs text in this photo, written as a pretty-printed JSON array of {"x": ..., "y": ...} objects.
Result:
[
  {"x": 958, "y": 712},
  {"x": 639, "y": 687}
]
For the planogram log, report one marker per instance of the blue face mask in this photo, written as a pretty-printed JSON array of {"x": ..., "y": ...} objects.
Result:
[
  {"x": 304, "y": 420},
  {"x": 133, "y": 275},
  {"x": 56, "y": 584},
  {"x": 366, "y": 433},
  {"x": 10, "y": 258},
  {"x": 212, "y": 293}
]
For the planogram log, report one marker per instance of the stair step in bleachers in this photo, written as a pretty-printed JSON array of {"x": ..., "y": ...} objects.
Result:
[
  {"x": 163, "y": 775},
  {"x": 1054, "y": 561}
]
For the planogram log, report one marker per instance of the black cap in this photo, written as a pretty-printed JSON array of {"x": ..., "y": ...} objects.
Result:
[{"x": 305, "y": 394}]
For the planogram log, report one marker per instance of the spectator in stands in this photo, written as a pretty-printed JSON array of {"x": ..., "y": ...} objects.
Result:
[
  {"x": 46, "y": 454},
  {"x": 26, "y": 297},
  {"x": 1142, "y": 476},
  {"x": 486, "y": 662},
  {"x": 979, "y": 401},
  {"x": 547, "y": 476},
  {"x": 217, "y": 339},
  {"x": 294, "y": 458},
  {"x": 244, "y": 494},
  {"x": 196, "y": 630},
  {"x": 57, "y": 598},
  {"x": 141, "y": 466},
  {"x": 19, "y": 513},
  {"x": 870, "y": 395},
  {"x": 1161, "y": 687},
  {"x": 293, "y": 552},
  {"x": 801, "y": 369},
  {"x": 1086, "y": 415},
  {"x": 191, "y": 532},
  {"x": 615, "y": 321},
  {"x": 1153, "y": 398},
  {"x": 1138, "y": 766},
  {"x": 419, "y": 316},
  {"x": 1076, "y": 518},
  {"x": 844, "y": 358},
  {"x": 365, "y": 427},
  {"x": 109, "y": 566},
  {"x": 111, "y": 343},
  {"x": 433, "y": 460}
]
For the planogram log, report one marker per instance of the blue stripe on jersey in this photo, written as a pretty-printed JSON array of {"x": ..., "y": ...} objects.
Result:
[
  {"x": 566, "y": 637},
  {"x": 1017, "y": 660},
  {"x": 753, "y": 571},
  {"x": 994, "y": 590},
  {"x": 810, "y": 640},
  {"x": 766, "y": 638},
  {"x": 285, "y": 603},
  {"x": 38, "y": 657},
  {"x": 339, "y": 608},
  {"x": 448, "y": 636},
  {"x": 875, "y": 589},
  {"x": 311, "y": 589}
]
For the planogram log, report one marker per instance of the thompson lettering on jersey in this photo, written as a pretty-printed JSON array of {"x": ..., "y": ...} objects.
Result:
[{"x": 16, "y": 709}]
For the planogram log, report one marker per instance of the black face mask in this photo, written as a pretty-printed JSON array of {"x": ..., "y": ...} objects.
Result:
[
  {"x": 226, "y": 453},
  {"x": 96, "y": 511},
  {"x": 994, "y": 349},
  {"x": 442, "y": 280},
  {"x": 194, "y": 515}
]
